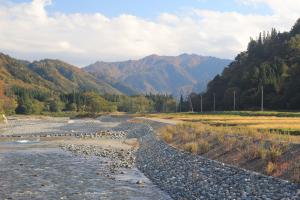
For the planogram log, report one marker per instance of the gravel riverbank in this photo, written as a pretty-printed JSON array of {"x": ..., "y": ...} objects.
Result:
[
  {"x": 186, "y": 176},
  {"x": 119, "y": 158}
]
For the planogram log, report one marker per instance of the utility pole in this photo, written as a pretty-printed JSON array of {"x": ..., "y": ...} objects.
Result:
[
  {"x": 180, "y": 101},
  {"x": 234, "y": 101},
  {"x": 262, "y": 98},
  {"x": 191, "y": 103},
  {"x": 180, "y": 104},
  {"x": 201, "y": 103},
  {"x": 214, "y": 102},
  {"x": 166, "y": 105}
]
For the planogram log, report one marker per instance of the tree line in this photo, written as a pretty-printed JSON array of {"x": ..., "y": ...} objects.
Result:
[{"x": 18, "y": 100}]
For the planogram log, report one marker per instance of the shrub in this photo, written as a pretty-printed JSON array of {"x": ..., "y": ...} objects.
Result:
[
  {"x": 191, "y": 147},
  {"x": 95, "y": 103},
  {"x": 71, "y": 107},
  {"x": 271, "y": 168},
  {"x": 37, "y": 107},
  {"x": 203, "y": 147},
  {"x": 9, "y": 106},
  {"x": 274, "y": 152},
  {"x": 230, "y": 143},
  {"x": 251, "y": 151},
  {"x": 55, "y": 105},
  {"x": 262, "y": 152},
  {"x": 167, "y": 136},
  {"x": 25, "y": 108},
  {"x": 219, "y": 138}
]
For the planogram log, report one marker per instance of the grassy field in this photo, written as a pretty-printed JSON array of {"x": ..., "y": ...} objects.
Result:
[
  {"x": 268, "y": 143},
  {"x": 277, "y": 122}
]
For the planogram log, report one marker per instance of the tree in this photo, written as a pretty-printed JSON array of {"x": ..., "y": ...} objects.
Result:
[
  {"x": 95, "y": 103},
  {"x": 141, "y": 104},
  {"x": 1, "y": 96},
  {"x": 55, "y": 105},
  {"x": 71, "y": 107},
  {"x": 25, "y": 105}
]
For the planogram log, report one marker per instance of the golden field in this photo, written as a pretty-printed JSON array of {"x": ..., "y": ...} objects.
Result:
[{"x": 273, "y": 123}]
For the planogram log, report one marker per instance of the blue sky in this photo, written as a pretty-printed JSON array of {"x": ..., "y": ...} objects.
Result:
[
  {"x": 82, "y": 32},
  {"x": 150, "y": 8}
]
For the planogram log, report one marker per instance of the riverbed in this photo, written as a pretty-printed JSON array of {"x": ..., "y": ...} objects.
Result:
[{"x": 33, "y": 166}]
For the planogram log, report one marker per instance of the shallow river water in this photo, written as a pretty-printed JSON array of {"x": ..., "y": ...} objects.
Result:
[{"x": 35, "y": 170}]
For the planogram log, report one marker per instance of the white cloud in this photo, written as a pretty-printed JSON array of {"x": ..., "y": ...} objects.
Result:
[{"x": 27, "y": 31}]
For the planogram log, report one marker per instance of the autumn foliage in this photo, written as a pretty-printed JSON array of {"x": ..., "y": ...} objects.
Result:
[
  {"x": 1, "y": 89},
  {"x": 1, "y": 96},
  {"x": 7, "y": 105}
]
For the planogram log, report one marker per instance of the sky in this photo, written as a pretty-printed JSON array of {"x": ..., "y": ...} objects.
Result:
[{"x": 83, "y": 32}]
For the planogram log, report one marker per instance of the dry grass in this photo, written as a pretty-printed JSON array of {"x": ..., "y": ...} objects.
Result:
[
  {"x": 191, "y": 147},
  {"x": 193, "y": 130},
  {"x": 203, "y": 146},
  {"x": 266, "y": 147},
  {"x": 228, "y": 136},
  {"x": 167, "y": 136},
  {"x": 271, "y": 168},
  {"x": 287, "y": 125},
  {"x": 280, "y": 128}
]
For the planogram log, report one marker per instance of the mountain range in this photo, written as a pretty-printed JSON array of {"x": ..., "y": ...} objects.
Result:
[
  {"x": 152, "y": 74},
  {"x": 49, "y": 75},
  {"x": 160, "y": 74}
]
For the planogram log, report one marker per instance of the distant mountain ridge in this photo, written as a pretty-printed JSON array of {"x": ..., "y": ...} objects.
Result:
[
  {"x": 49, "y": 75},
  {"x": 161, "y": 74},
  {"x": 152, "y": 74}
]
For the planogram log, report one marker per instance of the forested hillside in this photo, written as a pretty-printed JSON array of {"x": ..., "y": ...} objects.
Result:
[
  {"x": 49, "y": 75},
  {"x": 54, "y": 86},
  {"x": 33, "y": 88},
  {"x": 271, "y": 63}
]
